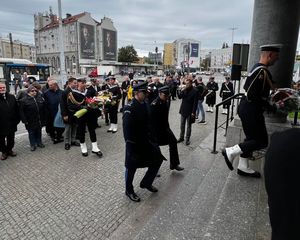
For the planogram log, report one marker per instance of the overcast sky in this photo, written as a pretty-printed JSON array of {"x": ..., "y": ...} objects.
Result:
[{"x": 144, "y": 23}]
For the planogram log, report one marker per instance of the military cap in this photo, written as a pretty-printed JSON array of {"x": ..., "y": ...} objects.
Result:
[
  {"x": 164, "y": 89},
  {"x": 141, "y": 86},
  {"x": 112, "y": 77},
  {"x": 271, "y": 47},
  {"x": 106, "y": 79}
]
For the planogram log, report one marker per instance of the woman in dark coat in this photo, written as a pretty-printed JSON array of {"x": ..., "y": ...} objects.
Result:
[{"x": 32, "y": 112}]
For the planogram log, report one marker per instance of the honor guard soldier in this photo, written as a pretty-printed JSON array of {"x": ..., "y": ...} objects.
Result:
[
  {"x": 141, "y": 150},
  {"x": 226, "y": 92},
  {"x": 212, "y": 87},
  {"x": 163, "y": 133},
  {"x": 115, "y": 90},
  {"x": 257, "y": 87}
]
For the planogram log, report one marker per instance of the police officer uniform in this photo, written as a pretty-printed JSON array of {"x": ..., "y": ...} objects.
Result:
[
  {"x": 252, "y": 106},
  {"x": 163, "y": 133},
  {"x": 141, "y": 150}
]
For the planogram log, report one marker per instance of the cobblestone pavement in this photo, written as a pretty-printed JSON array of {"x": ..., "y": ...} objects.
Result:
[{"x": 57, "y": 194}]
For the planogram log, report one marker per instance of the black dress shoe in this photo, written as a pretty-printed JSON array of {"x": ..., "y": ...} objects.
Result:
[
  {"x": 255, "y": 174},
  {"x": 187, "y": 142},
  {"x": 12, "y": 153},
  {"x": 41, "y": 145},
  {"x": 133, "y": 196},
  {"x": 67, "y": 146},
  {"x": 149, "y": 188},
  {"x": 32, "y": 148},
  {"x": 77, "y": 144},
  {"x": 177, "y": 168},
  {"x": 99, "y": 153},
  {"x": 3, "y": 156},
  {"x": 180, "y": 140},
  {"x": 85, "y": 154}
]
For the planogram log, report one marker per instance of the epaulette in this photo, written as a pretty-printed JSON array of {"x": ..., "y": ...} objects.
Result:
[{"x": 154, "y": 102}]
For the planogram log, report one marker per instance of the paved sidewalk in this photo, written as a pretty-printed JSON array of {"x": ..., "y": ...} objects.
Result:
[{"x": 57, "y": 194}]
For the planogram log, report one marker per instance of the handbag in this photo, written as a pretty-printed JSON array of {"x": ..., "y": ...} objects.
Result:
[
  {"x": 192, "y": 119},
  {"x": 58, "y": 120}
]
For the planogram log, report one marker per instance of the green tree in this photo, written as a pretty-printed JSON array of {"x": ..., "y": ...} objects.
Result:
[{"x": 127, "y": 54}]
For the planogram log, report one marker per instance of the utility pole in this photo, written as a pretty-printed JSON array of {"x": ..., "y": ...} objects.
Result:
[
  {"x": 188, "y": 58},
  {"x": 232, "y": 34},
  {"x": 63, "y": 74}
]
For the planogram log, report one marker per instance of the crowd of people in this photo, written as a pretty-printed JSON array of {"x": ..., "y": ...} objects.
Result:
[
  {"x": 54, "y": 108},
  {"x": 145, "y": 105}
]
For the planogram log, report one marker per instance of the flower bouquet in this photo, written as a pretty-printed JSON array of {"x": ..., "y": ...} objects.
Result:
[
  {"x": 286, "y": 100},
  {"x": 91, "y": 103},
  {"x": 104, "y": 98}
]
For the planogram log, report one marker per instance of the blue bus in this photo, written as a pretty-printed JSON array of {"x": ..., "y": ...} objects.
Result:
[{"x": 31, "y": 71}]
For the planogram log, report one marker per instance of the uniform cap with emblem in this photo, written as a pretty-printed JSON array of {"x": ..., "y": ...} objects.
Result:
[
  {"x": 165, "y": 90},
  {"x": 140, "y": 87},
  {"x": 271, "y": 48}
]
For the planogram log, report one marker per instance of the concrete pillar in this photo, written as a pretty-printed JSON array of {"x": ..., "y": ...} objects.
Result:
[{"x": 276, "y": 21}]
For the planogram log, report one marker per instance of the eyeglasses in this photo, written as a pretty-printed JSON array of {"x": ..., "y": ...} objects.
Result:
[{"x": 33, "y": 91}]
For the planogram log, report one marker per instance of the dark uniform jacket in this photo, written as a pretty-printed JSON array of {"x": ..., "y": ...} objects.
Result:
[
  {"x": 257, "y": 86},
  {"x": 141, "y": 150},
  {"x": 125, "y": 85},
  {"x": 9, "y": 114},
  {"x": 189, "y": 101},
  {"x": 153, "y": 91},
  {"x": 226, "y": 91},
  {"x": 212, "y": 87},
  {"x": 64, "y": 104},
  {"x": 160, "y": 122},
  {"x": 33, "y": 111},
  {"x": 115, "y": 90},
  {"x": 92, "y": 91},
  {"x": 282, "y": 184}
]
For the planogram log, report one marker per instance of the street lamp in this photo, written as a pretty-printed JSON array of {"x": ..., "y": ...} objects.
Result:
[{"x": 63, "y": 74}]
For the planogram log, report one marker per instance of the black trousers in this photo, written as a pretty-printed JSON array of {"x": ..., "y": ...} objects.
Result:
[
  {"x": 89, "y": 121},
  {"x": 54, "y": 132},
  {"x": 147, "y": 179},
  {"x": 124, "y": 96},
  {"x": 254, "y": 127},
  {"x": 113, "y": 114},
  {"x": 173, "y": 150},
  {"x": 7, "y": 142}
]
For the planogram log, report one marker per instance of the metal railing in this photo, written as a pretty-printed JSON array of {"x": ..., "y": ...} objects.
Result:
[{"x": 236, "y": 96}]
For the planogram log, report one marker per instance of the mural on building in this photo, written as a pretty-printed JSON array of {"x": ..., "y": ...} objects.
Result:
[
  {"x": 109, "y": 45},
  {"x": 87, "y": 41}
]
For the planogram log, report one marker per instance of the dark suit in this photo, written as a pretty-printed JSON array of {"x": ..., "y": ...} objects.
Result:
[
  {"x": 125, "y": 85},
  {"x": 162, "y": 130},
  {"x": 188, "y": 106},
  {"x": 282, "y": 184},
  {"x": 141, "y": 151}
]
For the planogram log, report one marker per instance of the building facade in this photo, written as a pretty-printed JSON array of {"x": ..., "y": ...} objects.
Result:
[
  {"x": 17, "y": 49},
  {"x": 220, "y": 59},
  {"x": 155, "y": 58},
  {"x": 169, "y": 55},
  {"x": 87, "y": 43},
  {"x": 187, "y": 53}
]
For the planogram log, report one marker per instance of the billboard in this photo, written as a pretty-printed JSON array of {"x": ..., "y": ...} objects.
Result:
[
  {"x": 194, "y": 50},
  {"x": 87, "y": 41},
  {"x": 109, "y": 45}
]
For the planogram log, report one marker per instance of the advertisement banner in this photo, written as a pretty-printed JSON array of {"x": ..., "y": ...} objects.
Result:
[
  {"x": 87, "y": 41},
  {"x": 109, "y": 45},
  {"x": 194, "y": 49}
]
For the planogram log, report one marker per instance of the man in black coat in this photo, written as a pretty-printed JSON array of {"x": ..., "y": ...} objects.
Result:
[
  {"x": 212, "y": 88},
  {"x": 160, "y": 121},
  {"x": 226, "y": 92},
  {"x": 141, "y": 150},
  {"x": 282, "y": 184},
  {"x": 188, "y": 107},
  {"x": 9, "y": 119}
]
